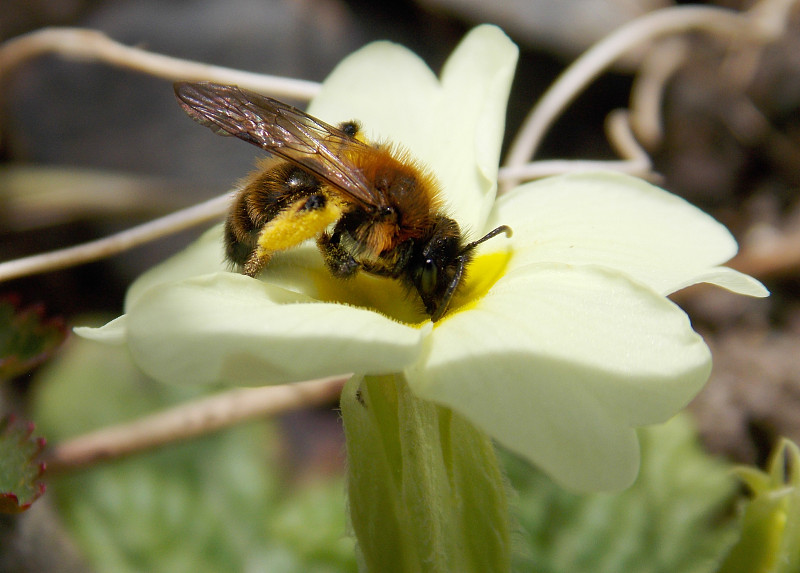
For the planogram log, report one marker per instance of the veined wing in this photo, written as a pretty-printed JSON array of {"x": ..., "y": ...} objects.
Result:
[{"x": 282, "y": 130}]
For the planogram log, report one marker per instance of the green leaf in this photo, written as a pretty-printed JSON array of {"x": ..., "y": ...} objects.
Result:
[
  {"x": 675, "y": 517},
  {"x": 19, "y": 470},
  {"x": 219, "y": 503},
  {"x": 770, "y": 527},
  {"x": 27, "y": 337}
]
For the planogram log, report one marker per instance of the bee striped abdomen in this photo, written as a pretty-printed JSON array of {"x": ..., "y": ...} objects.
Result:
[{"x": 275, "y": 194}]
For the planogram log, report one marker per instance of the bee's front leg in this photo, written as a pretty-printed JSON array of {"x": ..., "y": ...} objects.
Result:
[{"x": 341, "y": 263}]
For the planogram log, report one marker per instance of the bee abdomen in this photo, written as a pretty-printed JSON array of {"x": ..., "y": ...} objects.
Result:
[
  {"x": 241, "y": 234},
  {"x": 264, "y": 195},
  {"x": 271, "y": 191}
]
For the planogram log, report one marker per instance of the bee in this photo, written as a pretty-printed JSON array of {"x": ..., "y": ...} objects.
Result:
[{"x": 371, "y": 207}]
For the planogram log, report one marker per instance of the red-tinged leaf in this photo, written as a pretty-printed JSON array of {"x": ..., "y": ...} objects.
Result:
[
  {"x": 27, "y": 336},
  {"x": 19, "y": 468}
]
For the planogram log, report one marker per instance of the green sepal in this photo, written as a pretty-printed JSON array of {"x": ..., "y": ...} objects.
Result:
[
  {"x": 770, "y": 526},
  {"x": 425, "y": 489}
]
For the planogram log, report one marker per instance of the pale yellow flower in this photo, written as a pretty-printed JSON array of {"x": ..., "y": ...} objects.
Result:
[{"x": 562, "y": 340}]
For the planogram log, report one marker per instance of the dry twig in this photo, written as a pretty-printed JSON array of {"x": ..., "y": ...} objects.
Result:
[
  {"x": 191, "y": 420},
  {"x": 93, "y": 46}
]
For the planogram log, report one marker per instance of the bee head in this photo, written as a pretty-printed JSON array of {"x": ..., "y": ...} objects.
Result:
[{"x": 438, "y": 267}]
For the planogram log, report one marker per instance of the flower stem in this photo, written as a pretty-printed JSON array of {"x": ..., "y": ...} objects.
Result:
[{"x": 425, "y": 489}]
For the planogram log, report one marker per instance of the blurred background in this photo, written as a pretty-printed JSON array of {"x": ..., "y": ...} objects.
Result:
[{"x": 86, "y": 150}]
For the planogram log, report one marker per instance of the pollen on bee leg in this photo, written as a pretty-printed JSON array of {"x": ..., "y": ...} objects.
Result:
[{"x": 306, "y": 218}]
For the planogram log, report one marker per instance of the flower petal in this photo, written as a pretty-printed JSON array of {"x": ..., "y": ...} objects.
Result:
[
  {"x": 620, "y": 222},
  {"x": 230, "y": 328},
  {"x": 455, "y": 128},
  {"x": 729, "y": 279},
  {"x": 558, "y": 363},
  {"x": 477, "y": 77},
  {"x": 114, "y": 332},
  {"x": 397, "y": 96},
  {"x": 203, "y": 256},
  {"x": 386, "y": 87}
]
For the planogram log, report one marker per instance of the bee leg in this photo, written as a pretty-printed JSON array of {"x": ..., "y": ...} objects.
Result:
[
  {"x": 303, "y": 219},
  {"x": 341, "y": 263},
  {"x": 255, "y": 263}
]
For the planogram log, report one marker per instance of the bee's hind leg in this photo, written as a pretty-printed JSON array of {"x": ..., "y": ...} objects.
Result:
[
  {"x": 255, "y": 263},
  {"x": 306, "y": 218}
]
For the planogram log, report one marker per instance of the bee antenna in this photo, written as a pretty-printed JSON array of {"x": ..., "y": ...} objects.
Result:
[{"x": 493, "y": 233}]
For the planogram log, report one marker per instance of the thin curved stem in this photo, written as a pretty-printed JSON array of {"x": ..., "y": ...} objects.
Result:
[
  {"x": 624, "y": 142},
  {"x": 647, "y": 92},
  {"x": 191, "y": 420},
  {"x": 114, "y": 244},
  {"x": 635, "y": 160},
  {"x": 94, "y": 46},
  {"x": 549, "y": 167},
  {"x": 760, "y": 23}
]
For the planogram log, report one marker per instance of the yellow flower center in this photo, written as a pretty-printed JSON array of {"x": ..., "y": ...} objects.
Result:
[
  {"x": 390, "y": 298},
  {"x": 482, "y": 273}
]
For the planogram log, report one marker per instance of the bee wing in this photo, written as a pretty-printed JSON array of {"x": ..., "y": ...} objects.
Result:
[{"x": 282, "y": 130}]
